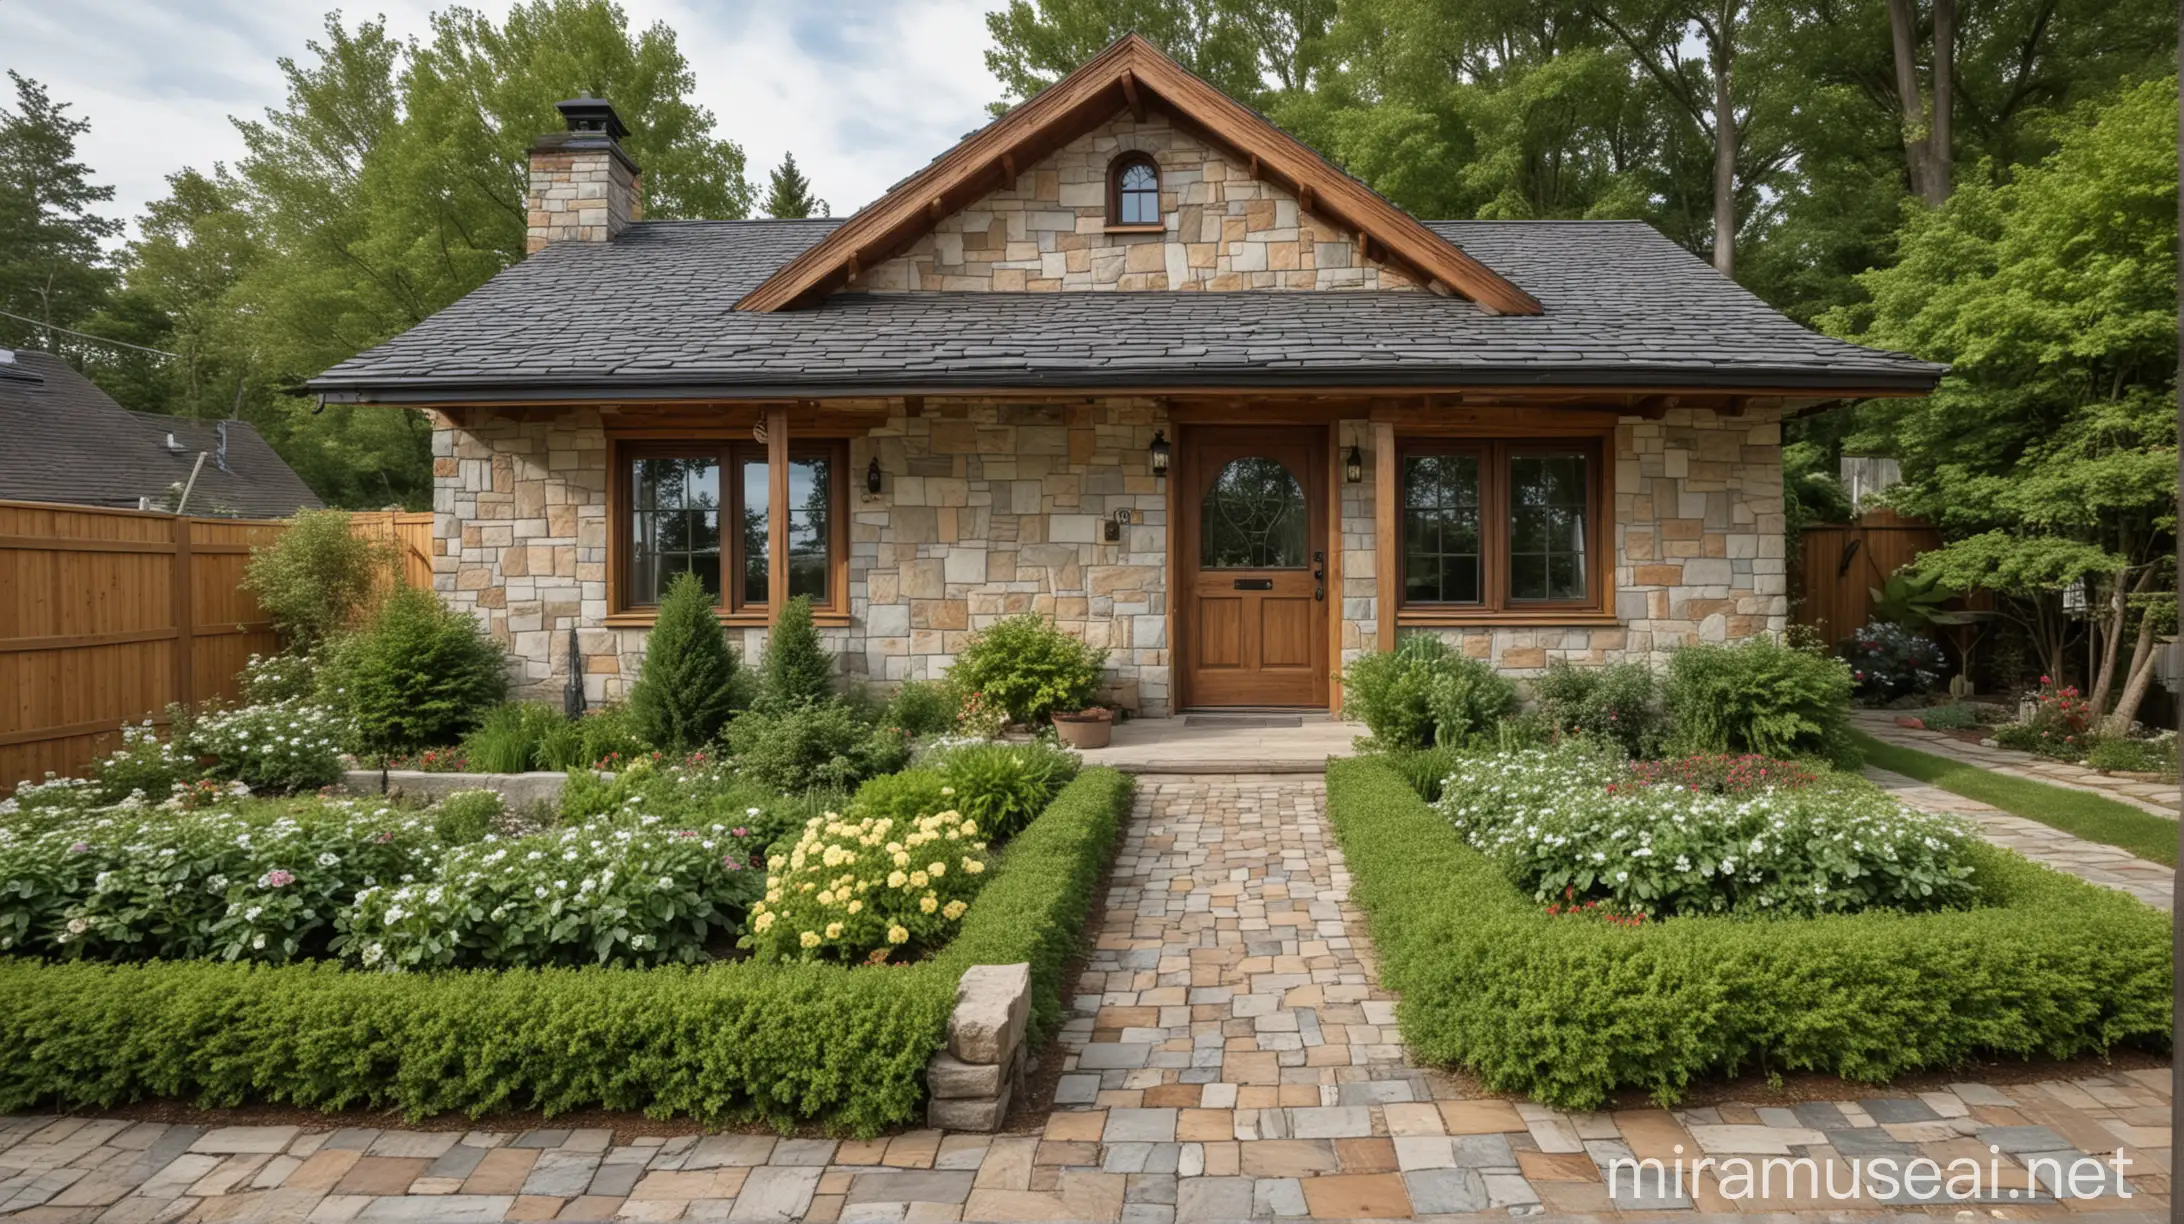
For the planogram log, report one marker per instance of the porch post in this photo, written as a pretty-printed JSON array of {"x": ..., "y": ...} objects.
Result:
[
  {"x": 1387, "y": 525},
  {"x": 777, "y": 509}
]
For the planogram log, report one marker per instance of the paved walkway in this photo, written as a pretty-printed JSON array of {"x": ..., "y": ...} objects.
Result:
[
  {"x": 1228, "y": 1057},
  {"x": 1228, "y": 744},
  {"x": 2102, "y": 864},
  {"x": 2160, "y": 798}
]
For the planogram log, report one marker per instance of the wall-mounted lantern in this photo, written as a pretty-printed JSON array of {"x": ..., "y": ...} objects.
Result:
[
  {"x": 1353, "y": 466},
  {"x": 1159, "y": 451},
  {"x": 872, "y": 478}
]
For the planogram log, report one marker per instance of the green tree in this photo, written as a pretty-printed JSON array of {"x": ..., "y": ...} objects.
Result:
[
  {"x": 685, "y": 687},
  {"x": 51, "y": 265},
  {"x": 789, "y": 192},
  {"x": 1239, "y": 45},
  {"x": 2048, "y": 455},
  {"x": 796, "y": 669}
]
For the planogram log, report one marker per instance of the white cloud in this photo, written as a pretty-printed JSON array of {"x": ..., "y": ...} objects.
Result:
[{"x": 864, "y": 91}]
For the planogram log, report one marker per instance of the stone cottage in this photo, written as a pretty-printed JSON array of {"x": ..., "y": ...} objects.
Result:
[{"x": 1129, "y": 357}]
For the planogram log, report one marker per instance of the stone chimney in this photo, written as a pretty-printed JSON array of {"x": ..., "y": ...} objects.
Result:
[{"x": 583, "y": 186}]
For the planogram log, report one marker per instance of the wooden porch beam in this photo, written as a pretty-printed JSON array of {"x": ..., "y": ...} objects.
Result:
[
  {"x": 1385, "y": 516},
  {"x": 1134, "y": 96},
  {"x": 777, "y": 510}
]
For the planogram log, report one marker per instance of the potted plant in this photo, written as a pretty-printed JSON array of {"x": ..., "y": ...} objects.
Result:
[{"x": 1090, "y": 727}]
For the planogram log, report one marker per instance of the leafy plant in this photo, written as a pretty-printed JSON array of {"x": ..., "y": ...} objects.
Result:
[
  {"x": 280, "y": 747},
  {"x": 922, "y": 707},
  {"x": 286, "y": 676},
  {"x": 684, "y": 692},
  {"x": 1425, "y": 693},
  {"x": 1028, "y": 667},
  {"x": 1003, "y": 786},
  {"x": 466, "y": 816},
  {"x": 902, "y": 797},
  {"x": 820, "y": 744},
  {"x": 2060, "y": 724},
  {"x": 512, "y": 738},
  {"x": 869, "y": 889},
  {"x": 316, "y": 577},
  {"x": 1761, "y": 696},
  {"x": 1888, "y": 661},
  {"x": 1959, "y": 717},
  {"x": 1617, "y": 703},
  {"x": 1910, "y": 600},
  {"x": 2134, "y": 755},
  {"x": 422, "y": 674},
  {"x": 796, "y": 668},
  {"x": 144, "y": 764}
]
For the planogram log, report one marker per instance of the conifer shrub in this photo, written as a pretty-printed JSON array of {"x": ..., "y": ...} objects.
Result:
[
  {"x": 796, "y": 668},
  {"x": 419, "y": 675},
  {"x": 685, "y": 690}
]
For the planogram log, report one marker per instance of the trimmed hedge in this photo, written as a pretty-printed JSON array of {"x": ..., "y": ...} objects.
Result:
[
  {"x": 1568, "y": 1010},
  {"x": 790, "y": 1044}
]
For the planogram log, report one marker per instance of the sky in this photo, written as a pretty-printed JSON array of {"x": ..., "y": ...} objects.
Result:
[{"x": 864, "y": 91}]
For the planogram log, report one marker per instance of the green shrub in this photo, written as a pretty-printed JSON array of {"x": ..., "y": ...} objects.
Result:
[
  {"x": 685, "y": 686},
  {"x": 1958, "y": 717},
  {"x": 790, "y": 1044},
  {"x": 1003, "y": 786},
  {"x": 901, "y": 797},
  {"x": 796, "y": 668},
  {"x": 466, "y": 816},
  {"x": 921, "y": 708},
  {"x": 1569, "y": 1011},
  {"x": 281, "y": 746},
  {"x": 1617, "y": 703},
  {"x": 316, "y": 577},
  {"x": 1705, "y": 835},
  {"x": 1028, "y": 667},
  {"x": 510, "y": 737},
  {"x": 865, "y": 889},
  {"x": 1761, "y": 696},
  {"x": 820, "y": 744},
  {"x": 2134, "y": 756},
  {"x": 1425, "y": 693},
  {"x": 421, "y": 674},
  {"x": 290, "y": 675},
  {"x": 607, "y": 736},
  {"x": 144, "y": 764},
  {"x": 1425, "y": 769}
]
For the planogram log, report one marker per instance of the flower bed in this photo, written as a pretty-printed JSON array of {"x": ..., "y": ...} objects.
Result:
[
  {"x": 786, "y": 1042},
  {"x": 2041, "y": 965}
]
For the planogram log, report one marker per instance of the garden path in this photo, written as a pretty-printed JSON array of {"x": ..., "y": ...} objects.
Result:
[
  {"x": 2106, "y": 865},
  {"x": 2160, "y": 798},
  {"x": 1228, "y": 1056}
]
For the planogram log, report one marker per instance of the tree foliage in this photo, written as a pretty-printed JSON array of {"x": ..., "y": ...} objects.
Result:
[
  {"x": 788, "y": 192},
  {"x": 50, "y": 265}
]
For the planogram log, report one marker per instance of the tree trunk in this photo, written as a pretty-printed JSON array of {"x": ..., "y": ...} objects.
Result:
[
  {"x": 1903, "y": 33},
  {"x": 1725, "y": 145},
  {"x": 2141, "y": 675},
  {"x": 1940, "y": 157},
  {"x": 2109, "y": 643}
]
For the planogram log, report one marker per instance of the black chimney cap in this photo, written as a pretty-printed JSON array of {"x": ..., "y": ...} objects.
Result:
[{"x": 589, "y": 114}]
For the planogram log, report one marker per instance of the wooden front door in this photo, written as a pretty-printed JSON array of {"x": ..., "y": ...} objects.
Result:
[{"x": 1252, "y": 567}]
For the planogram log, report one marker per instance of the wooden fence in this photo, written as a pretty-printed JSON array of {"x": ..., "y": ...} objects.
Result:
[
  {"x": 1839, "y": 566},
  {"x": 109, "y": 616}
]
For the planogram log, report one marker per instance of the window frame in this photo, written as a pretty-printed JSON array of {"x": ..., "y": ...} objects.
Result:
[
  {"x": 730, "y": 454},
  {"x": 1496, "y": 605},
  {"x": 1115, "y": 170}
]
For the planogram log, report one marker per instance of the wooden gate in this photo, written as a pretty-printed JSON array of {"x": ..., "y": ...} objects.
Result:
[{"x": 1839, "y": 565}]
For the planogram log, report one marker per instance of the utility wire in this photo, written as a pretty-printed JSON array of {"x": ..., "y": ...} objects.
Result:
[{"x": 86, "y": 335}]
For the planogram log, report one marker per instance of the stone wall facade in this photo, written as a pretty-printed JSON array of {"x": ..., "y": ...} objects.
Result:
[
  {"x": 580, "y": 194},
  {"x": 991, "y": 509},
  {"x": 1223, "y": 230}
]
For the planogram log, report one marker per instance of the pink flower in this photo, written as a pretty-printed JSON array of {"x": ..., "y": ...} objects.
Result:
[
  {"x": 277, "y": 878},
  {"x": 80, "y": 848}
]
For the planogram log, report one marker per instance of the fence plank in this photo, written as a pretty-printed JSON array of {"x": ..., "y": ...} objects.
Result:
[{"x": 1840, "y": 564}]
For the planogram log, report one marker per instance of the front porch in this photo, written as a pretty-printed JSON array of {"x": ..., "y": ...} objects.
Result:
[{"x": 1271, "y": 742}]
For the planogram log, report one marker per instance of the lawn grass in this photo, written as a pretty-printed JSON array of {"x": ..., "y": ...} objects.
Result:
[{"x": 2091, "y": 817}]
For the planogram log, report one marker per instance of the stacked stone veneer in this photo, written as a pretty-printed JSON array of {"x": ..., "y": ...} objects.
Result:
[
  {"x": 583, "y": 194},
  {"x": 991, "y": 509},
  {"x": 972, "y": 1081},
  {"x": 1222, "y": 230}
]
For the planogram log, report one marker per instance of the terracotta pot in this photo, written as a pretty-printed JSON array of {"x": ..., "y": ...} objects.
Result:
[{"x": 1084, "y": 730}]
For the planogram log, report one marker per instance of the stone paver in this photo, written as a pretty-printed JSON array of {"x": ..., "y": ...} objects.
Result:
[
  {"x": 2159, "y": 798},
  {"x": 2105, "y": 865},
  {"x": 1227, "y": 1056}
]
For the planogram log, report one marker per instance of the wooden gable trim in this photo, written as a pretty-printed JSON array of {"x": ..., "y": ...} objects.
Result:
[{"x": 1130, "y": 75}]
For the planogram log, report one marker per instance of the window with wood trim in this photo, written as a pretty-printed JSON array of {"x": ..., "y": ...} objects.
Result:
[
  {"x": 704, "y": 508},
  {"x": 1501, "y": 527},
  {"x": 1133, "y": 190}
]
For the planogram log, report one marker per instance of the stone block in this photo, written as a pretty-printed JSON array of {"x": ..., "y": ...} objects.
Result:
[
  {"x": 950, "y": 1078},
  {"x": 992, "y": 1006}
]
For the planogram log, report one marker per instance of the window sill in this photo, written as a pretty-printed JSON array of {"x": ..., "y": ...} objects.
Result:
[
  {"x": 642, "y": 618},
  {"x": 1136, "y": 229},
  {"x": 1572, "y": 618}
]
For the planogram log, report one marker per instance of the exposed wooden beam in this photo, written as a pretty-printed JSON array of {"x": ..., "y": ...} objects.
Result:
[
  {"x": 1254, "y": 167},
  {"x": 1008, "y": 171},
  {"x": 1132, "y": 95},
  {"x": 913, "y": 405},
  {"x": 777, "y": 509},
  {"x": 1653, "y": 407},
  {"x": 1304, "y": 196},
  {"x": 849, "y": 267},
  {"x": 936, "y": 209},
  {"x": 1736, "y": 405}
]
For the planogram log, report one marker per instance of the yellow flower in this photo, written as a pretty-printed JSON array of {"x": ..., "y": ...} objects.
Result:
[
  {"x": 896, "y": 879},
  {"x": 954, "y": 910},
  {"x": 897, "y": 934},
  {"x": 834, "y": 930},
  {"x": 918, "y": 879},
  {"x": 773, "y": 894},
  {"x": 776, "y": 862},
  {"x": 856, "y": 907},
  {"x": 970, "y": 828},
  {"x": 948, "y": 790},
  {"x": 764, "y": 923},
  {"x": 936, "y": 869},
  {"x": 902, "y": 858},
  {"x": 926, "y": 904},
  {"x": 972, "y": 866},
  {"x": 809, "y": 939}
]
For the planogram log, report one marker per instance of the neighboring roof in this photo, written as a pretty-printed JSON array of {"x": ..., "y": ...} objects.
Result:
[
  {"x": 652, "y": 314},
  {"x": 68, "y": 441},
  {"x": 1131, "y": 73}
]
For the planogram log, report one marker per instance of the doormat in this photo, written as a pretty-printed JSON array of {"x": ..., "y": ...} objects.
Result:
[{"x": 1258, "y": 721}]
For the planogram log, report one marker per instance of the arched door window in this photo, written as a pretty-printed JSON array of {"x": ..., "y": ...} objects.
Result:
[
  {"x": 1133, "y": 191},
  {"x": 1254, "y": 517}
]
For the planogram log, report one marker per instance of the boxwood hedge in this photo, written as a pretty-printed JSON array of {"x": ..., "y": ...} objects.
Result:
[
  {"x": 1569, "y": 1010},
  {"x": 790, "y": 1044}
]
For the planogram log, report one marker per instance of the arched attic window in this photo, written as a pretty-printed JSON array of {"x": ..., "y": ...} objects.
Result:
[{"x": 1133, "y": 190}]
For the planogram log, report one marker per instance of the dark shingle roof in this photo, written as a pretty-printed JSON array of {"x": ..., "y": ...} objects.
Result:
[
  {"x": 653, "y": 311},
  {"x": 68, "y": 441}
]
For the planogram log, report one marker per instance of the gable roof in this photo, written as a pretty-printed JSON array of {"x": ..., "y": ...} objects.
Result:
[
  {"x": 1130, "y": 73},
  {"x": 68, "y": 441},
  {"x": 652, "y": 315}
]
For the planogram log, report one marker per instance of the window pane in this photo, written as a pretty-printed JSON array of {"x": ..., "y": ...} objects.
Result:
[
  {"x": 810, "y": 496},
  {"x": 1547, "y": 495},
  {"x": 1441, "y": 529},
  {"x": 1253, "y": 518},
  {"x": 757, "y": 557},
  {"x": 1138, "y": 195},
  {"x": 674, "y": 525}
]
